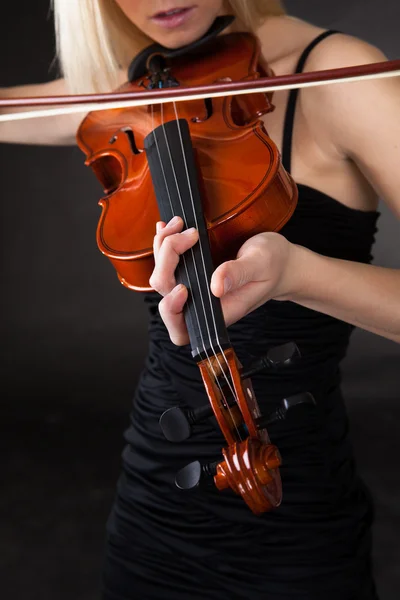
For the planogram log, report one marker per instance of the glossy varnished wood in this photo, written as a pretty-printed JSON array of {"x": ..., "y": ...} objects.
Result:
[
  {"x": 251, "y": 463},
  {"x": 245, "y": 188}
]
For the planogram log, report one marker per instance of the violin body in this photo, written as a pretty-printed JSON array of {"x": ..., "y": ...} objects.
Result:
[{"x": 245, "y": 189}]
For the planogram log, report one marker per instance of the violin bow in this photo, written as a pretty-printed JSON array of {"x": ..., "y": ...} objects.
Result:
[{"x": 69, "y": 104}]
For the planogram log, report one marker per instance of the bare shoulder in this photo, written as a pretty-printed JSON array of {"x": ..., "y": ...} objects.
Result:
[
  {"x": 342, "y": 50},
  {"x": 284, "y": 38},
  {"x": 346, "y": 129},
  {"x": 337, "y": 51},
  {"x": 348, "y": 102}
]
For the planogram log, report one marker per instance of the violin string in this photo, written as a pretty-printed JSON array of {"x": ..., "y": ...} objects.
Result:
[
  {"x": 186, "y": 267},
  {"x": 200, "y": 244},
  {"x": 186, "y": 224},
  {"x": 216, "y": 355},
  {"x": 204, "y": 311},
  {"x": 172, "y": 210},
  {"x": 226, "y": 404}
]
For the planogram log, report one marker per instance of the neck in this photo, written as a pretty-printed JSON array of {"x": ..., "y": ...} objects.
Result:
[{"x": 175, "y": 178}]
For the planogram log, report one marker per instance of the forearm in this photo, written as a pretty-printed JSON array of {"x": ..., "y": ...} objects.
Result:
[
  {"x": 366, "y": 296},
  {"x": 54, "y": 131}
]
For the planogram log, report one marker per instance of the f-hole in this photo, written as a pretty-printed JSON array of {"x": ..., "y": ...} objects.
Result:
[
  {"x": 209, "y": 112},
  {"x": 131, "y": 137}
]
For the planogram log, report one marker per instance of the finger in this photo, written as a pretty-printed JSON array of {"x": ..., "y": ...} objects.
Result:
[
  {"x": 156, "y": 240},
  {"x": 163, "y": 277},
  {"x": 163, "y": 230},
  {"x": 171, "y": 311}
]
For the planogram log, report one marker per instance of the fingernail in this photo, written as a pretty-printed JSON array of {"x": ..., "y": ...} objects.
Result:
[
  {"x": 173, "y": 221},
  {"x": 189, "y": 231},
  {"x": 227, "y": 284},
  {"x": 158, "y": 226}
]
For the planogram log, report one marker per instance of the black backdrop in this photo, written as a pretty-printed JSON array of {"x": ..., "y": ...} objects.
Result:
[{"x": 73, "y": 342}]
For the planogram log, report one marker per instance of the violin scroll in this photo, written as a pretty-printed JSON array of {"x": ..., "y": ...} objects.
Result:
[
  {"x": 250, "y": 465},
  {"x": 249, "y": 468}
]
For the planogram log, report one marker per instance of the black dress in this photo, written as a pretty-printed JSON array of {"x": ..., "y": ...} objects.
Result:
[{"x": 166, "y": 544}]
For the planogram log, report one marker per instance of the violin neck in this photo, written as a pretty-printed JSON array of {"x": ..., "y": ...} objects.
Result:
[{"x": 176, "y": 183}]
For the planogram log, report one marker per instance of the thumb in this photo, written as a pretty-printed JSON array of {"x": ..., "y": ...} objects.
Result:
[{"x": 234, "y": 274}]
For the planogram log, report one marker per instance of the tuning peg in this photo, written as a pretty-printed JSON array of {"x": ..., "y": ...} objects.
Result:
[
  {"x": 176, "y": 423},
  {"x": 280, "y": 356},
  {"x": 287, "y": 404},
  {"x": 191, "y": 476}
]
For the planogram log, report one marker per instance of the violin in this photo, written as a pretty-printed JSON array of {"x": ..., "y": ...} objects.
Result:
[{"x": 210, "y": 161}]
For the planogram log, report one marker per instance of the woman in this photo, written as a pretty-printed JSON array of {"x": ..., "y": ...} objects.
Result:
[{"x": 310, "y": 283}]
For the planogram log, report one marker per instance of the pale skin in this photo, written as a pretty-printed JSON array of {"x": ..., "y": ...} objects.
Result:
[{"x": 345, "y": 144}]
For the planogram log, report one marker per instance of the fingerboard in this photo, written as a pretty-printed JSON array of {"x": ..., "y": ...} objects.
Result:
[{"x": 175, "y": 178}]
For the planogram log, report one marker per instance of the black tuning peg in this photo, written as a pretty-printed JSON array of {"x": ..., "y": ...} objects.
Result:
[
  {"x": 191, "y": 476},
  {"x": 304, "y": 398},
  {"x": 176, "y": 423},
  {"x": 280, "y": 356}
]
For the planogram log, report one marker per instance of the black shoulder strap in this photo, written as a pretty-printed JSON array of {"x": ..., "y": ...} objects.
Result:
[{"x": 291, "y": 106}]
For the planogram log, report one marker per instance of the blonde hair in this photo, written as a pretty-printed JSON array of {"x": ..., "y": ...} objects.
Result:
[{"x": 95, "y": 39}]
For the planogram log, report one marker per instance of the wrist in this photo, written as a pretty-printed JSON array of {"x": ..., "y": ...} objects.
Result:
[{"x": 299, "y": 270}]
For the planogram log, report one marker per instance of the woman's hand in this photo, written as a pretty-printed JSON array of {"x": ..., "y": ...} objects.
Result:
[{"x": 264, "y": 269}]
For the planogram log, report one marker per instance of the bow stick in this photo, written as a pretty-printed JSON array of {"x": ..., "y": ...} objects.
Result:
[{"x": 88, "y": 102}]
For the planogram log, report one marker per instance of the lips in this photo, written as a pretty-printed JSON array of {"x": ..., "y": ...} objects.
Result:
[
  {"x": 169, "y": 13},
  {"x": 173, "y": 17}
]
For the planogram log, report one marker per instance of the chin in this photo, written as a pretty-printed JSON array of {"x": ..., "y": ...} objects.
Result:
[{"x": 176, "y": 41}]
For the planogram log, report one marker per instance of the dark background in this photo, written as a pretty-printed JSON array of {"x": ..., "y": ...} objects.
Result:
[{"x": 73, "y": 341}]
